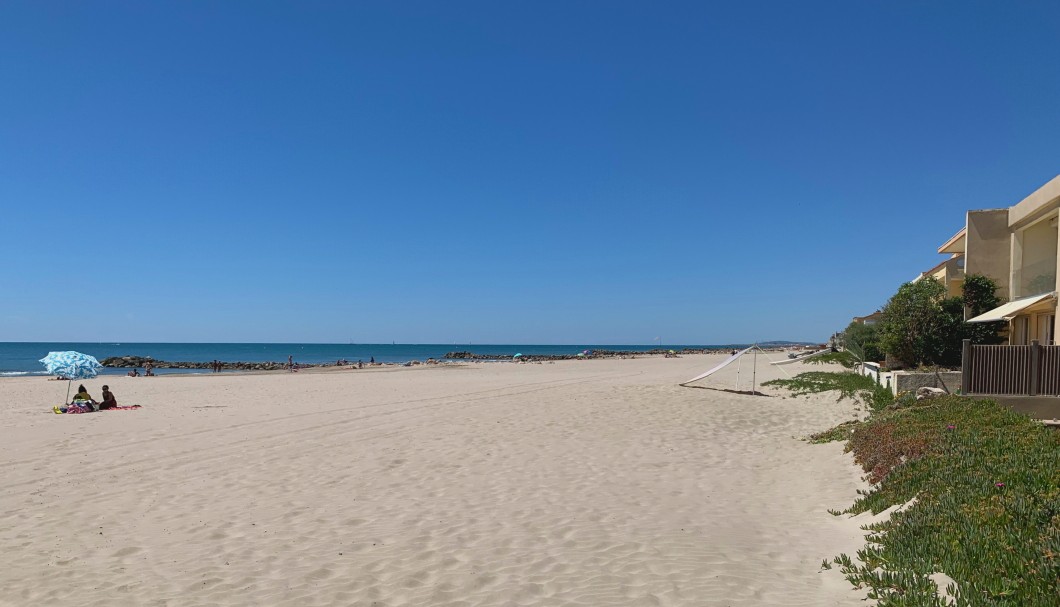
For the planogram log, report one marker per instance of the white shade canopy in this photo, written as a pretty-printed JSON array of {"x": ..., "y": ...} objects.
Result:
[{"x": 1012, "y": 308}]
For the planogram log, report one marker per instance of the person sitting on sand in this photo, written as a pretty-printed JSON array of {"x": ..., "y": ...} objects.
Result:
[
  {"x": 109, "y": 401},
  {"x": 83, "y": 395}
]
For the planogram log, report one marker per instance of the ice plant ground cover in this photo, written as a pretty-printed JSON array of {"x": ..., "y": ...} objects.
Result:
[
  {"x": 849, "y": 385},
  {"x": 987, "y": 509}
]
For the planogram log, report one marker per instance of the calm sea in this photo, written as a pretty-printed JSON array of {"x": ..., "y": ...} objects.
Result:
[{"x": 23, "y": 358}]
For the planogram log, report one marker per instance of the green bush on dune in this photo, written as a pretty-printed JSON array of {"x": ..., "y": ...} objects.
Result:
[
  {"x": 849, "y": 385},
  {"x": 986, "y": 483}
]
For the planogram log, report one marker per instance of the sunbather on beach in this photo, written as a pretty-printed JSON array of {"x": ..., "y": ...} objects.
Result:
[{"x": 108, "y": 399}]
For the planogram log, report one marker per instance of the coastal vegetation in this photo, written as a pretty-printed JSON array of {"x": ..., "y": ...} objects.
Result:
[
  {"x": 980, "y": 486},
  {"x": 922, "y": 326},
  {"x": 986, "y": 485},
  {"x": 849, "y": 385},
  {"x": 842, "y": 357},
  {"x": 862, "y": 342}
]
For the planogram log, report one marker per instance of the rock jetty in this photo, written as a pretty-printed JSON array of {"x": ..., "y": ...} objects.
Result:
[
  {"x": 591, "y": 354},
  {"x": 141, "y": 361}
]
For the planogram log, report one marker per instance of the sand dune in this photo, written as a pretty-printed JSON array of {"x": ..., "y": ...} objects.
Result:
[{"x": 585, "y": 483}]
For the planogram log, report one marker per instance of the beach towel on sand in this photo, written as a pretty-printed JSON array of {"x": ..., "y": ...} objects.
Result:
[{"x": 73, "y": 409}]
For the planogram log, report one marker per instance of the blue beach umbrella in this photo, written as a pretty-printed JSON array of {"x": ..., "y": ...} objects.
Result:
[{"x": 71, "y": 365}]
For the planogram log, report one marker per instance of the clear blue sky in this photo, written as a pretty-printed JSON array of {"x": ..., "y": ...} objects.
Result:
[{"x": 565, "y": 172}]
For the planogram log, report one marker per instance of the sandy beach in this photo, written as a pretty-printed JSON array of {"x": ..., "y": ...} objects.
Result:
[{"x": 590, "y": 483}]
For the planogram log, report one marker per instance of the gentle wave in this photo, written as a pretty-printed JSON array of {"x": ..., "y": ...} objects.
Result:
[{"x": 15, "y": 373}]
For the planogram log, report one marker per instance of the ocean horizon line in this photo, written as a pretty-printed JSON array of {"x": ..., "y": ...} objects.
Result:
[
  {"x": 417, "y": 343},
  {"x": 24, "y": 357}
]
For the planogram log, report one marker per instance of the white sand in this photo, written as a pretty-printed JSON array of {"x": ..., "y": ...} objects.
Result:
[{"x": 588, "y": 483}]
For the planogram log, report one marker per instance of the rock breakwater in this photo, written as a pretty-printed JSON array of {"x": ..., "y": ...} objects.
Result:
[
  {"x": 581, "y": 355},
  {"x": 141, "y": 361}
]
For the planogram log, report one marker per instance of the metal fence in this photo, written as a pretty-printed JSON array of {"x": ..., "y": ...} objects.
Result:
[{"x": 1032, "y": 370}]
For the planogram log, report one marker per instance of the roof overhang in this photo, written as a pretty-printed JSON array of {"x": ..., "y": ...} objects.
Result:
[
  {"x": 1012, "y": 308},
  {"x": 932, "y": 271},
  {"x": 1038, "y": 204},
  {"x": 955, "y": 244}
]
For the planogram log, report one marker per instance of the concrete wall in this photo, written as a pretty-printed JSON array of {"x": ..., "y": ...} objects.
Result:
[
  {"x": 903, "y": 381},
  {"x": 988, "y": 247},
  {"x": 869, "y": 370},
  {"x": 907, "y": 381},
  {"x": 1038, "y": 407}
]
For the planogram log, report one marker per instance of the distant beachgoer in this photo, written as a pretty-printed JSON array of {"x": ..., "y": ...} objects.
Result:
[
  {"x": 290, "y": 363},
  {"x": 372, "y": 361},
  {"x": 360, "y": 364},
  {"x": 109, "y": 401},
  {"x": 131, "y": 373},
  {"x": 148, "y": 369}
]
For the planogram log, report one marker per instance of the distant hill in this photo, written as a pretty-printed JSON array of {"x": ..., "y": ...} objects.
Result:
[{"x": 782, "y": 343}]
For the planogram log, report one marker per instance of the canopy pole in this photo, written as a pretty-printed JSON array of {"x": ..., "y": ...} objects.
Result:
[
  {"x": 754, "y": 371},
  {"x": 739, "y": 363},
  {"x": 728, "y": 361},
  {"x": 68, "y": 382}
]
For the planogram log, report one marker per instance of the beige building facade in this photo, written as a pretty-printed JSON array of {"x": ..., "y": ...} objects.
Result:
[{"x": 1017, "y": 247}]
